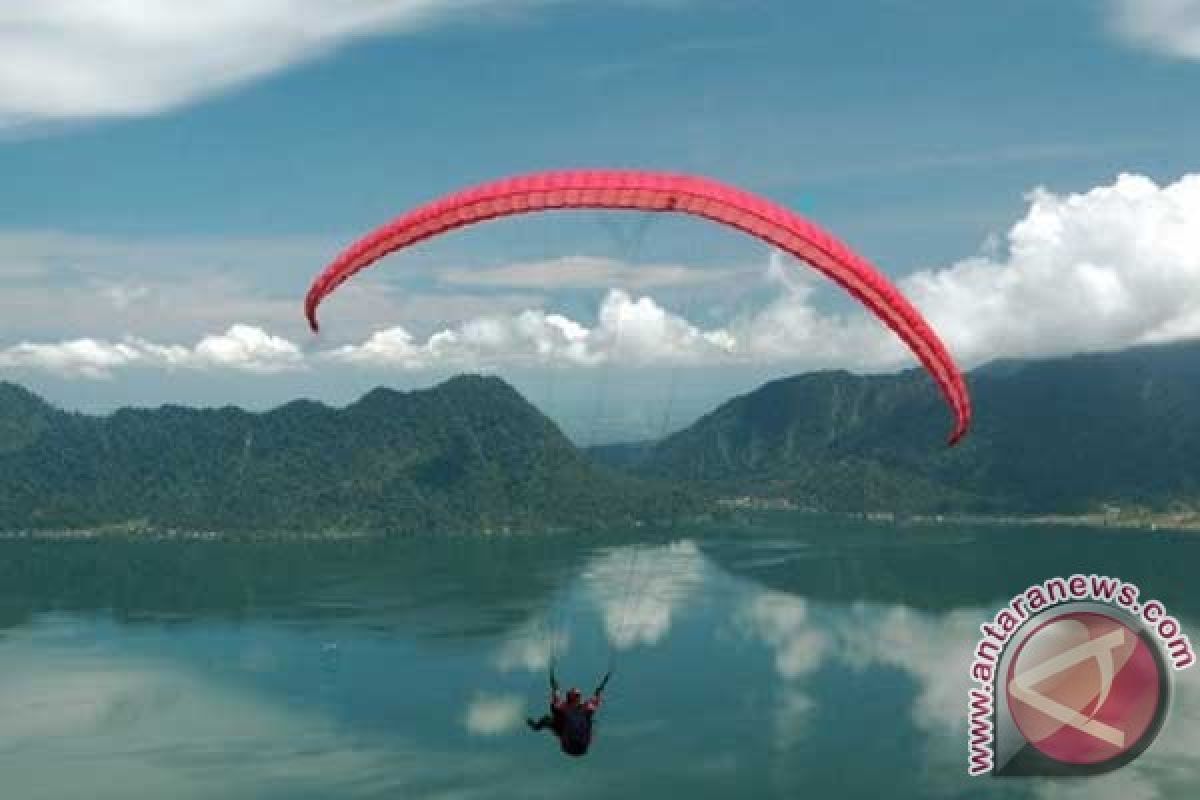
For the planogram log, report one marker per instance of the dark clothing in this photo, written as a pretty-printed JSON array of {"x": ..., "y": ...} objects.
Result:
[{"x": 570, "y": 722}]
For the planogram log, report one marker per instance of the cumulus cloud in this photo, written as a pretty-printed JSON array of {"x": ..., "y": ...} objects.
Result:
[
  {"x": 531, "y": 648},
  {"x": 1171, "y": 27},
  {"x": 492, "y": 715},
  {"x": 68, "y": 60},
  {"x": 85, "y": 358},
  {"x": 640, "y": 590},
  {"x": 531, "y": 336},
  {"x": 933, "y": 649},
  {"x": 1112, "y": 267},
  {"x": 784, "y": 623},
  {"x": 242, "y": 347},
  {"x": 800, "y": 644},
  {"x": 629, "y": 331},
  {"x": 1105, "y": 269},
  {"x": 247, "y": 348}
]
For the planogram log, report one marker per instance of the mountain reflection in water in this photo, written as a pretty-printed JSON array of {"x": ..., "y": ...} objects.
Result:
[{"x": 794, "y": 655}]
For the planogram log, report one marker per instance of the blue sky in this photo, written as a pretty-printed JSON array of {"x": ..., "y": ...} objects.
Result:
[{"x": 167, "y": 178}]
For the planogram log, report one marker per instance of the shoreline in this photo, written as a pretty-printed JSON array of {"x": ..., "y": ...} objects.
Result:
[
  {"x": 1133, "y": 520},
  {"x": 1176, "y": 522},
  {"x": 1141, "y": 522}
]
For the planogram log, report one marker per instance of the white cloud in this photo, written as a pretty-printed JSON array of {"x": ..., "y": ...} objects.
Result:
[
  {"x": 65, "y": 59},
  {"x": 1168, "y": 768},
  {"x": 489, "y": 716},
  {"x": 639, "y": 590},
  {"x": 801, "y": 644},
  {"x": 531, "y": 648},
  {"x": 1113, "y": 267},
  {"x": 935, "y": 649},
  {"x": 1109, "y": 268},
  {"x": 242, "y": 347},
  {"x": 247, "y": 348},
  {"x": 144, "y": 725},
  {"x": 629, "y": 332},
  {"x": 1171, "y": 27},
  {"x": 86, "y": 358},
  {"x": 62, "y": 285},
  {"x": 784, "y": 623},
  {"x": 78, "y": 720},
  {"x": 531, "y": 336}
]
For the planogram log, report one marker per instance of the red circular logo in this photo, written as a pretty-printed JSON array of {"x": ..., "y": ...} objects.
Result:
[{"x": 1085, "y": 688}]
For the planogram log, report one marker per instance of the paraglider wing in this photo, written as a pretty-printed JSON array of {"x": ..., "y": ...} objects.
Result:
[{"x": 664, "y": 192}]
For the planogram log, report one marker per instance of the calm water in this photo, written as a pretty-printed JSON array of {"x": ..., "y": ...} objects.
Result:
[{"x": 794, "y": 658}]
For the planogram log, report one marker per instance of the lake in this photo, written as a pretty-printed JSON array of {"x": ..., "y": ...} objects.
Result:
[{"x": 788, "y": 656}]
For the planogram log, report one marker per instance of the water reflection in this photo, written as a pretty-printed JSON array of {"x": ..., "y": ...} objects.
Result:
[
  {"x": 813, "y": 640},
  {"x": 531, "y": 647},
  {"x": 79, "y": 719},
  {"x": 638, "y": 588},
  {"x": 828, "y": 661},
  {"x": 489, "y": 715}
]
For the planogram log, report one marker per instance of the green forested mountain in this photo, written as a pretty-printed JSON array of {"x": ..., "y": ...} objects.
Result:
[
  {"x": 465, "y": 455},
  {"x": 1057, "y": 435},
  {"x": 1061, "y": 435}
]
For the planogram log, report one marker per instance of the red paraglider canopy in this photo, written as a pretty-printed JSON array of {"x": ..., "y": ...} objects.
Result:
[{"x": 656, "y": 191}]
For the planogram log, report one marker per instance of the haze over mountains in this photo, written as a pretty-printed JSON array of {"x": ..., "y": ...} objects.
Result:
[{"x": 1061, "y": 435}]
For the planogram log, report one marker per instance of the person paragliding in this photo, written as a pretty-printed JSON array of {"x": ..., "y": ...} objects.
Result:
[{"x": 570, "y": 719}]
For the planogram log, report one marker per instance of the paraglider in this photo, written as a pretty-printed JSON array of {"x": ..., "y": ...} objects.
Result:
[
  {"x": 664, "y": 192},
  {"x": 570, "y": 719}
]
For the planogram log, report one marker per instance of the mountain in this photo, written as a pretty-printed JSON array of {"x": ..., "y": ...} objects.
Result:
[
  {"x": 1054, "y": 435},
  {"x": 468, "y": 454},
  {"x": 1062, "y": 435},
  {"x": 23, "y": 417}
]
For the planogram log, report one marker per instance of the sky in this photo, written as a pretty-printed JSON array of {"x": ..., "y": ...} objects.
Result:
[{"x": 172, "y": 179}]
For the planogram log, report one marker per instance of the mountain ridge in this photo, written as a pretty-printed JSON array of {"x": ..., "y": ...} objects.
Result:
[
  {"x": 469, "y": 454},
  {"x": 1063, "y": 435}
]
